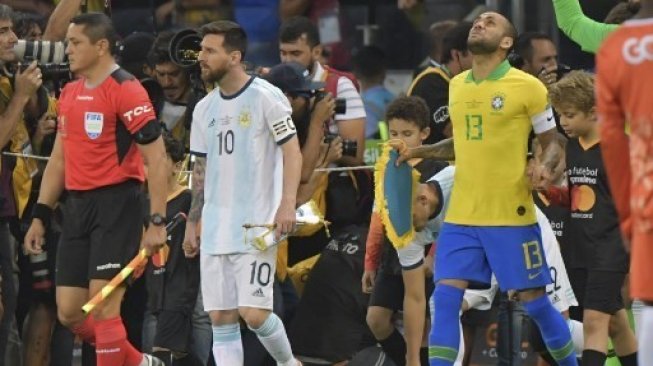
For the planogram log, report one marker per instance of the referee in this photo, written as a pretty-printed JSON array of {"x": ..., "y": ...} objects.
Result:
[{"x": 106, "y": 126}]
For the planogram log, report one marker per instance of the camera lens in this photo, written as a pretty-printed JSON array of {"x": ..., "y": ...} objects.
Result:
[{"x": 44, "y": 52}]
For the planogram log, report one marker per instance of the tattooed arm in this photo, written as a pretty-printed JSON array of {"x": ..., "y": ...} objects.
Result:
[
  {"x": 442, "y": 150},
  {"x": 191, "y": 239}
]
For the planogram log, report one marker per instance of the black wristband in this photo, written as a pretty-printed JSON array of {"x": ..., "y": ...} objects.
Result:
[{"x": 42, "y": 212}]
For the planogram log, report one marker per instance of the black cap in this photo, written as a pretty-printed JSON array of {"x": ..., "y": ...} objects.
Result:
[
  {"x": 136, "y": 46},
  {"x": 292, "y": 77}
]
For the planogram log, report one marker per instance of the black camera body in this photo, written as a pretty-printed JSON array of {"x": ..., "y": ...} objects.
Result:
[
  {"x": 341, "y": 104},
  {"x": 349, "y": 147},
  {"x": 50, "y": 56}
]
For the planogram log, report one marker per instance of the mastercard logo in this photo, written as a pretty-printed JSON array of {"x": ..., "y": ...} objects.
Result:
[{"x": 583, "y": 198}]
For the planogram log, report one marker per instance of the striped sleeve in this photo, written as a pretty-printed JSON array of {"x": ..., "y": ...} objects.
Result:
[{"x": 348, "y": 92}]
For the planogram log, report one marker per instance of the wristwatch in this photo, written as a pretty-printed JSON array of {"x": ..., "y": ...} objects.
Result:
[{"x": 157, "y": 220}]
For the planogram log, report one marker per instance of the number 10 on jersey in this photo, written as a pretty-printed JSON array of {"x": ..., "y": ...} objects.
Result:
[{"x": 226, "y": 142}]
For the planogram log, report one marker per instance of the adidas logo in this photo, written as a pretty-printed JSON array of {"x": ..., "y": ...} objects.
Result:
[{"x": 258, "y": 293}]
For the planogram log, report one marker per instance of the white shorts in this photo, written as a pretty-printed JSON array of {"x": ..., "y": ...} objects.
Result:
[{"x": 231, "y": 281}]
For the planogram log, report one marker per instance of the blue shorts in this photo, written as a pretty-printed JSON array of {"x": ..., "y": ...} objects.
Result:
[{"x": 473, "y": 253}]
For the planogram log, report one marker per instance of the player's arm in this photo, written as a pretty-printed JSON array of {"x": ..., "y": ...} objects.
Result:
[
  {"x": 543, "y": 123},
  {"x": 192, "y": 234},
  {"x": 586, "y": 32},
  {"x": 52, "y": 185},
  {"x": 373, "y": 252},
  {"x": 552, "y": 162},
  {"x": 442, "y": 150},
  {"x": 414, "y": 317},
  {"x": 60, "y": 20},
  {"x": 615, "y": 145},
  {"x": 198, "y": 148},
  {"x": 351, "y": 125},
  {"x": 411, "y": 258}
]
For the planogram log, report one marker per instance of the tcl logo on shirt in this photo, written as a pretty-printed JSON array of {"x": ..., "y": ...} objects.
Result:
[
  {"x": 637, "y": 50},
  {"x": 137, "y": 112}
]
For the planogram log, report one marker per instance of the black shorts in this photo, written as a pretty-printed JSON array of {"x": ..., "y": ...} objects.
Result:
[
  {"x": 173, "y": 330},
  {"x": 101, "y": 233},
  {"x": 599, "y": 290},
  {"x": 388, "y": 292}
]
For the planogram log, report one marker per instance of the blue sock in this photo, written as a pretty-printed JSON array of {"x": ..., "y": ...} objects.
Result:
[
  {"x": 445, "y": 332},
  {"x": 555, "y": 331}
]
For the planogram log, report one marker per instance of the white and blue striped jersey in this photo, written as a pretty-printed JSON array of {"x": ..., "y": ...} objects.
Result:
[
  {"x": 240, "y": 135},
  {"x": 412, "y": 255}
]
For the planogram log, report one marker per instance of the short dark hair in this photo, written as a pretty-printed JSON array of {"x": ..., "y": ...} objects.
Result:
[
  {"x": 24, "y": 22},
  {"x": 524, "y": 44},
  {"x": 160, "y": 51},
  {"x": 294, "y": 28},
  {"x": 174, "y": 148},
  {"x": 412, "y": 109},
  {"x": 6, "y": 12},
  {"x": 235, "y": 38},
  {"x": 369, "y": 63},
  {"x": 511, "y": 31},
  {"x": 455, "y": 39},
  {"x": 98, "y": 26}
]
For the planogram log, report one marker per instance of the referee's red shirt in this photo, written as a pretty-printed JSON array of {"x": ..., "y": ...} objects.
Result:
[{"x": 96, "y": 127}]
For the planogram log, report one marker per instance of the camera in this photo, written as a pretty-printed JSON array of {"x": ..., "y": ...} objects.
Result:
[
  {"x": 50, "y": 56},
  {"x": 349, "y": 147},
  {"x": 44, "y": 52},
  {"x": 341, "y": 104},
  {"x": 185, "y": 48}
]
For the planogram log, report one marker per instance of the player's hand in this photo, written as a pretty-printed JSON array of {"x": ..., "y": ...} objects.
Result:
[
  {"x": 324, "y": 109},
  {"x": 285, "y": 218},
  {"x": 405, "y": 153},
  {"x": 369, "y": 277},
  {"x": 154, "y": 238},
  {"x": 35, "y": 238},
  {"x": 28, "y": 81},
  {"x": 541, "y": 177},
  {"x": 191, "y": 245}
]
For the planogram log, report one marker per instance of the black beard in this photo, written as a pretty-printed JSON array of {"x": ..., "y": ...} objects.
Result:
[{"x": 481, "y": 48}]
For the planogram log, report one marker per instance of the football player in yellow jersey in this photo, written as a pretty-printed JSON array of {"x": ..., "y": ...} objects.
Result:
[{"x": 490, "y": 226}]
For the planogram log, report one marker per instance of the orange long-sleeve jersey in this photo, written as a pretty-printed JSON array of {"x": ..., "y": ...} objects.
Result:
[{"x": 624, "y": 85}]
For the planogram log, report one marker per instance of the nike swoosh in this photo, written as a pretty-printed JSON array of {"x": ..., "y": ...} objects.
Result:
[
  {"x": 533, "y": 275},
  {"x": 549, "y": 118}
]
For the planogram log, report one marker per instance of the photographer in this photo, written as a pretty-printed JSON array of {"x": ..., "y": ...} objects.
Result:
[
  {"x": 299, "y": 41},
  {"x": 308, "y": 112},
  {"x": 16, "y": 96},
  {"x": 538, "y": 56},
  {"x": 175, "y": 82}
]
